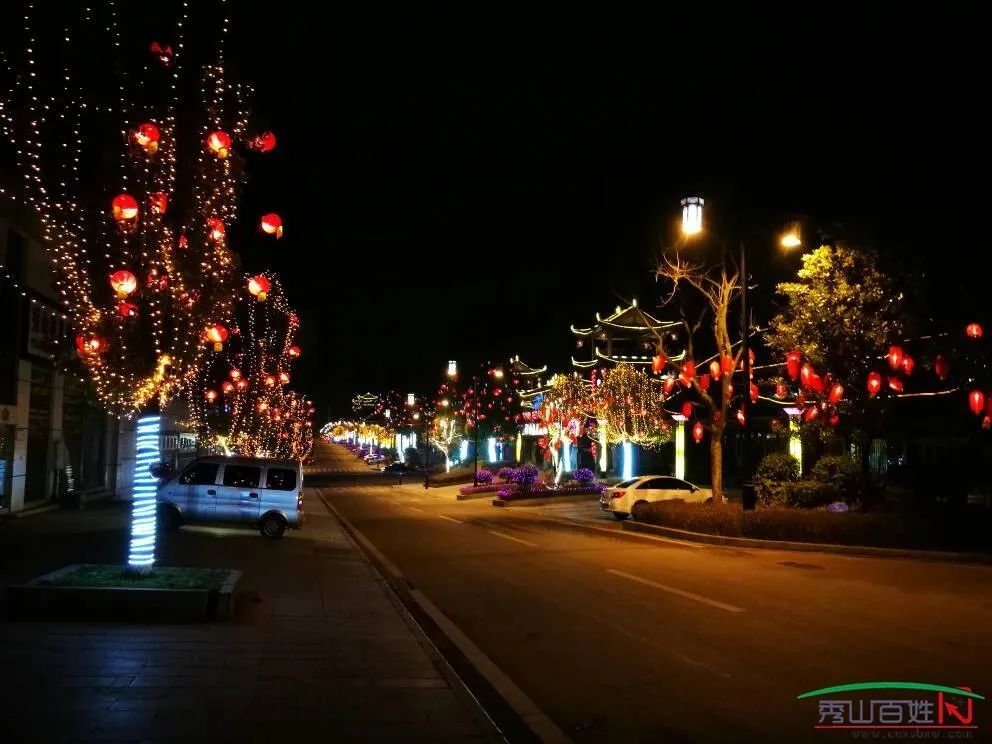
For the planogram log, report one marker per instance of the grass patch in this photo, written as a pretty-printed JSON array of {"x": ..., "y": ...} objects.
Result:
[
  {"x": 939, "y": 530},
  {"x": 106, "y": 577}
]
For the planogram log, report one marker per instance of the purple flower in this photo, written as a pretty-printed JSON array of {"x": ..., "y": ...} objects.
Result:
[
  {"x": 584, "y": 476},
  {"x": 506, "y": 474},
  {"x": 526, "y": 475},
  {"x": 485, "y": 476}
]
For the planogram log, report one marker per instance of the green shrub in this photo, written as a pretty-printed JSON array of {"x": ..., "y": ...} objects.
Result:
[
  {"x": 716, "y": 519},
  {"x": 841, "y": 472},
  {"x": 809, "y": 494},
  {"x": 773, "y": 476}
]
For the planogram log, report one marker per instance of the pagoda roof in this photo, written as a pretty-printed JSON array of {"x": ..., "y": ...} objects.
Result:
[
  {"x": 621, "y": 358},
  {"x": 523, "y": 369},
  {"x": 630, "y": 318}
]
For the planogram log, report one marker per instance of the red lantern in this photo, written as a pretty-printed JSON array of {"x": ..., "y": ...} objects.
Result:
[
  {"x": 216, "y": 334},
  {"x": 542, "y": 442},
  {"x": 127, "y": 309},
  {"x": 780, "y": 390},
  {"x": 271, "y": 224},
  {"x": 987, "y": 422},
  {"x": 241, "y": 384},
  {"x": 123, "y": 282},
  {"x": 158, "y": 202},
  {"x": 810, "y": 414},
  {"x": 264, "y": 142},
  {"x": 704, "y": 382},
  {"x": 146, "y": 137},
  {"x": 284, "y": 378},
  {"x": 219, "y": 143},
  {"x": 727, "y": 363},
  {"x": 792, "y": 360},
  {"x": 740, "y": 416},
  {"x": 688, "y": 372},
  {"x": 805, "y": 374},
  {"x": 715, "y": 369},
  {"x": 293, "y": 351},
  {"x": 227, "y": 386},
  {"x": 183, "y": 241},
  {"x": 697, "y": 431},
  {"x": 658, "y": 363},
  {"x": 895, "y": 357},
  {"x": 895, "y": 384},
  {"x": 668, "y": 385},
  {"x": 750, "y": 357},
  {"x": 941, "y": 367},
  {"x": 259, "y": 286},
  {"x": 836, "y": 393},
  {"x": 162, "y": 52},
  {"x": 124, "y": 208},
  {"x": 908, "y": 364},
  {"x": 210, "y": 395},
  {"x": 235, "y": 373},
  {"x": 687, "y": 409},
  {"x": 269, "y": 380},
  {"x": 215, "y": 229},
  {"x": 754, "y": 393},
  {"x": 874, "y": 383},
  {"x": 91, "y": 345},
  {"x": 973, "y": 330},
  {"x": 976, "y": 401},
  {"x": 816, "y": 383}
]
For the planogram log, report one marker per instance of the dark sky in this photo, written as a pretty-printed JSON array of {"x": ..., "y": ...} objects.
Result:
[{"x": 467, "y": 187}]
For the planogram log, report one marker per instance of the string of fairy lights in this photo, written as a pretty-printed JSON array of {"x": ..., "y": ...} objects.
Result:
[{"x": 143, "y": 268}]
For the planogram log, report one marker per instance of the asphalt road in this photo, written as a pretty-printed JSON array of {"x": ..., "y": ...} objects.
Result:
[{"x": 667, "y": 641}]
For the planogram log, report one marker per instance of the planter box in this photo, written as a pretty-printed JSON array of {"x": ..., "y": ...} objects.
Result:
[
  {"x": 41, "y": 601},
  {"x": 547, "y": 498}
]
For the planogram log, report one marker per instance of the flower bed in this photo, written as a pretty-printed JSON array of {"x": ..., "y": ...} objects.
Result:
[
  {"x": 543, "y": 491},
  {"x": 933, "y": 531},
  {"x": 482, "y": 488}
]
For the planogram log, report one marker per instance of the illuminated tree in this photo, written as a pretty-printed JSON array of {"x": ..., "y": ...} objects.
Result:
[
  {"x": 629, "y": 405},
  {"x": 445, "y": 433},
  {"x": 134, "y": 175},
  {"x": 568, "y": 409}
]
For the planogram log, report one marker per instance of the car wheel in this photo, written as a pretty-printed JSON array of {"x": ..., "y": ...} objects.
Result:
[
  {"x": 636, "y": 507},
  {"x": 169, "y": 518},
  {"x": 621, "y": 515},
  {"x": 272, "y": 526},
  {"x": 709, "y": 500}
]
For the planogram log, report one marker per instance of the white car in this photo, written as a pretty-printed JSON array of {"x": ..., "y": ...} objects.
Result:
[{"x": 621, "y": 498}]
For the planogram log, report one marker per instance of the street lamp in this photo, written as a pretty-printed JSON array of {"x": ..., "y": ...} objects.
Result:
[
  {"x": 791, "y": 238},
  {"x": 692, "y": 215}
]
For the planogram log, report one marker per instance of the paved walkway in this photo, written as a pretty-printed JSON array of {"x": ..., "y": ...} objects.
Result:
[
  {"x": 332, "y": 459},
  {"x": 320, "y": 651}
]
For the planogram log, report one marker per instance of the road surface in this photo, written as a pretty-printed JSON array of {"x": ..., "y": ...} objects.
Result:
[{"x": 668, "y": 641}]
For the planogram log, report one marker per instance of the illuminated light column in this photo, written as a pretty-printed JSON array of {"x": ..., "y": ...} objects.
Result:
[
  {"x": 463, "y": 450},
  {"x": 680, "y": 447},
  {"x": 143, "y": 507},
  {"x": 628, "y": 460},
  {"x": 795, "y": 440},
  {"x": 492, "y": 449},
  {"x": 566, "y": 455},
  {"x": 602, "y": 448},
  {"x": 520, "y": 440}
]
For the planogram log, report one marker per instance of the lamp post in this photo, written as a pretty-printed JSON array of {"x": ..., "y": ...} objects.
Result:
[{"x": 475, "y": 429}]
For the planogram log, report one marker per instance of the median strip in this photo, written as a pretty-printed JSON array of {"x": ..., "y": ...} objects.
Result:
[
  {"x": 679, "y": 592},
  {"x": 515, "y": 539}
]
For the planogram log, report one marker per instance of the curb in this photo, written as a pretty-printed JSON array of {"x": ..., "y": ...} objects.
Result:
[
  {"x": 857, "y": 550},
  {"x": 577, "y": 498},
  {"x": 533, "y": 723}
]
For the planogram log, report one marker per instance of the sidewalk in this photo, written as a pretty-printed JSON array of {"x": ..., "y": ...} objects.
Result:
[{"x": 320, "y": 651}]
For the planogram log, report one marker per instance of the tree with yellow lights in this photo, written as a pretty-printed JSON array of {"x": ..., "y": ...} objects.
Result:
[{"x": 133, "y": 170}]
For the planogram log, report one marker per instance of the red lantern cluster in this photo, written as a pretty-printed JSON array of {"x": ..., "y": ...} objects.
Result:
[
  {"x": 264, "y": 142},
  {"x": 216, "y": 230},
  {"x": 158, "y": 202},
  {"x": 146, "y": 137},
  {"x": 294, "y": 351}
]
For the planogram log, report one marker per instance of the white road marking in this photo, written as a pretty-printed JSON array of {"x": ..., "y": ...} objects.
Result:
[
  {"x": 679, "y": 592},
  {"x": 415, "y": 508},
  {"x": 515, "y": 539},
  {"x": 451, "y": 519}
]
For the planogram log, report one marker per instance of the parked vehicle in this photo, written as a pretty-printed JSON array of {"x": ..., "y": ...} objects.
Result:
[
  {"x": 623, "y": 497},
  {"x": 401, "y": 468},
  {"x": 264, "y": 493},
  {"x": 375, "y": 459}
]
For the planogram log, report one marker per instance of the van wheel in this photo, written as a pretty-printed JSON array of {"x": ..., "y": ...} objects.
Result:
[
  {"x": 169, "y": 518},
  {"x": 272, "y": 526}
]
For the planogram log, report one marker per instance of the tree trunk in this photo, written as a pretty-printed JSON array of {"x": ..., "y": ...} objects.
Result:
[{"x": 716, "y": 463}]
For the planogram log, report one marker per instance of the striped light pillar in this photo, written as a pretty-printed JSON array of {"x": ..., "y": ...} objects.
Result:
[{"x": 143, "y": 508}]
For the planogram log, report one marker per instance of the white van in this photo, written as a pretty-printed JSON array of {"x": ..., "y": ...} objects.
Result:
[{"x": 264, "y": 493}]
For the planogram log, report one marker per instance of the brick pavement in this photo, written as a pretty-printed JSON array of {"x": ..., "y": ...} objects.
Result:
[{"x": 321, "y": 651}]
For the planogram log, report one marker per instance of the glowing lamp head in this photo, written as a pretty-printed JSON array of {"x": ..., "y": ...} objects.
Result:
[
  {"x": 123, "y": 283},
  {"x": 124, "y": 209},
  {"x": 271, "y": 224},
  {"x": 498, "y": 373},
  {"x": 215, "y": 229},
  {"x": 293, "y": 351},
  {"x": 216, "y": 334},
  {"x": 210, "y": 395},
  {"x": 452, "y": 368},
  {"x": 219, "y": 143},
  {"x": 259, "y": 286},
  {"x": 146, "y": 136},
  {"x": 692, "y": 215},
  {"x": 410, "y": 399},
  {"x": 973, "y": 330},
  {"x": 791, "y": 239}
]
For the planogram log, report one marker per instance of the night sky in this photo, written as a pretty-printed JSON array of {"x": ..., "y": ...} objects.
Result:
[{"x": 467, "y": 188}]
